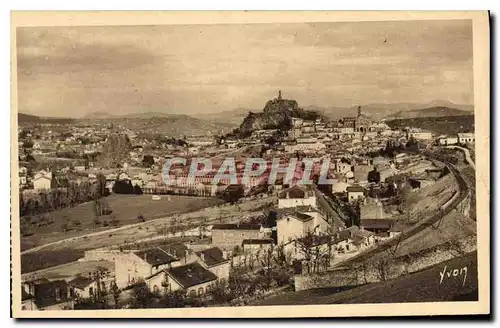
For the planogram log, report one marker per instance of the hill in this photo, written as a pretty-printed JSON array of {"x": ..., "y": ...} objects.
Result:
[
  {"x": 448, "y": 125},
  {"x": 230, "y": 117},
  {"x": 171, "y": 125},
  {"x": 277, "y": 114},
  {"x": 439, "y": 111},
  {"x": 421, "y": 286},
  {"x": 114, "y": 151},
  {"x": 26, "y": 118},
  {"x": 378, "y": 111}
]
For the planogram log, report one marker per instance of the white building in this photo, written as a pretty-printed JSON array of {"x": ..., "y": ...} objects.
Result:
[
  {"x": 420, "y": 135},
  {"x": 296, "y": 196},
  {"x": 465, "y": 138},
  {"x": 42, "y": 180},
  {"x": 294, "y": 225}
]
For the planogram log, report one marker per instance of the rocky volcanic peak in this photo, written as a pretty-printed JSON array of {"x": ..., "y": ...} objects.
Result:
[{"x": 277, "y": 114}]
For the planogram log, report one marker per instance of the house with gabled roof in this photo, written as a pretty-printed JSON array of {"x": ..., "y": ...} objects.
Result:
[
  {"x": 82, "y": 287},
  {"x": 132, "y": 267},
  {"x": 195, "y": 279},
  {"x": 214, "y": 260},
  {"x": 293, "y": 224},
  {"x": 298, "y": 195},
  {"x": 52, "y": 295}
]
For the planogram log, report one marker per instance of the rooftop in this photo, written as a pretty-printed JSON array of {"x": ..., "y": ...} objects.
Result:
[
  {"x": 355, "y": 189},
  {"x": 257, "y": 241},
  {"x": 80, "y": 282},
  {"x": 212, "y": 256},
  {"x": 231, "y": 226},
  {"x": 155, "y": 256},
  {"x": 51, "y": 293},
  {"x": 191, "y": 275}
]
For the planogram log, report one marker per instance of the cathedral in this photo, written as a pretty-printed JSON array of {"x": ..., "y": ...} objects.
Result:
[{"x": 360, "y": 123}]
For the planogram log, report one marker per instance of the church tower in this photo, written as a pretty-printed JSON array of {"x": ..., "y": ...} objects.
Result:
[
  {"x": 279, "y": 95},
  {"x": 359, "y": 111}
]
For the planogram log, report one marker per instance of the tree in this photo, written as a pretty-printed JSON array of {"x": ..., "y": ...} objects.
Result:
[
  {"x": 137, "y": 190},
  {"x": 114, "y": 221},
  {"x": 141, "y": 218},
  {"x": 101, "y": 189},
  {"x": 123, "y": 187},
  {"x": 220, "y": 292},
  {"x": 374, "y": 176},
  {"x": 148, "y": 160},
  {"x": 232, "y": 193},
  {"x": 142, "y": 297}
]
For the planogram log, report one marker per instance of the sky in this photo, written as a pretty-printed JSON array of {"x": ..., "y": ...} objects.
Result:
[{"x": 190, "y": 69}]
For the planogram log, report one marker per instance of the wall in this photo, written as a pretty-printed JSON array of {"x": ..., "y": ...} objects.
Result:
[
  {"x": 294, "y": 202},
  {"x": 233, "y": 237},
  {"x": 386, "y": 269},
  {"x": 130, "y": 266},
  {"x": 289, "y": 228}
]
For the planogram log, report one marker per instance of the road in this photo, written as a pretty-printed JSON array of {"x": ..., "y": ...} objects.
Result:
[{"x": 420, "y": 227}]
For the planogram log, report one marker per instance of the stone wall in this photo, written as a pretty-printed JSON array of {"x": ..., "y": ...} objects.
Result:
[{"x": 386, "y": 268}]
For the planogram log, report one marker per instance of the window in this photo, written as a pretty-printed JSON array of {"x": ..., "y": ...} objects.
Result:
[
  {"x": 200, "y": 291},
  {"x": 156, "y": 289},
  {"x": 91, "y": 291},
  {"x": 192, "y": 293}
]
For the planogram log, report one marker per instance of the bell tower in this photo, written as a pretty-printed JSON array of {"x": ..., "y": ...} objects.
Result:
[
  {"x": 359, "y": 111},
  {"x": 279, "y": 94}
]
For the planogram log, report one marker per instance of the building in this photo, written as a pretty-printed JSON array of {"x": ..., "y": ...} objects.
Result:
[
  {"x": 465, "y": 138},
  {"x": 27, "y": 301},
  {"x": 82, "y": 287},
  {"x": 231, "y": 235},
  {"x": 42, "y": 180},
  {"x": 420, "y": 135},
  {"x": 193, "y": 278},
  {"x": 380, "y": 227},
  {"x": 354, "y": 193},
  {"x": 52, "y": 295},
  {"x": 253, "y": 246},
  {"x": 446, "y": 141},
  {"x": 362, "y": 123},
  {"x": 361, "y": 172},
  {"x": 292, "y": 224},
  {"x": 133, "y": 267},
  {"x": 213, "y": 259},
  {"x": 296, "y": 196}
]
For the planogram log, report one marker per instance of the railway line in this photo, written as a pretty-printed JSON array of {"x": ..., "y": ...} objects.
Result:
[{"x": 443, "y": 210}]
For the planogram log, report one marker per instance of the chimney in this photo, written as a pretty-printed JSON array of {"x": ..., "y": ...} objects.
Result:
[
  {"x": 202, "y": 255},
  {"x": 145, "y": 256},
  {"x": 186, "y": 253},
  {"x": 287, "y": 195}
]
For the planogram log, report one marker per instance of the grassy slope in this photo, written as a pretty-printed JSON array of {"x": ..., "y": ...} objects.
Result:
[
  {"x": 421, "y": 286},
  {"x": 125, "y": 209},
  {"x": 73, "y": 250}
]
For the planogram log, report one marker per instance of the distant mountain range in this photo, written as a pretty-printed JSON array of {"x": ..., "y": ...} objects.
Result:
[
  {"x": 379, "y": 111},
  {"x": 27, "y": 118},
  {"x": 430, "y": 112},
  {"x": 225, "y": 121}
]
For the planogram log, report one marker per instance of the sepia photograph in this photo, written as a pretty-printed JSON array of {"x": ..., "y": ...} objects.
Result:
[{"x": 249, "y": 164}]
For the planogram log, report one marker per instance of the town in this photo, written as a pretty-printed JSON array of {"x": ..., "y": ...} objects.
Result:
[{"x": 101, "y": 229}]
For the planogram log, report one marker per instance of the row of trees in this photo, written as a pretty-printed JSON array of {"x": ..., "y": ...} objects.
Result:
[
  {"x": 126, "y": 187},
  {"x": 54, "y": 199}
]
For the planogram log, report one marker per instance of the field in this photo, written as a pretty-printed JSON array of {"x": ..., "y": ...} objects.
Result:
[
  {"x": 69, "y": 250},
  {"x": 125, "y": 209},
  {"x": 448, "y": 125},
  {"x": 70, "y": 270}
]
